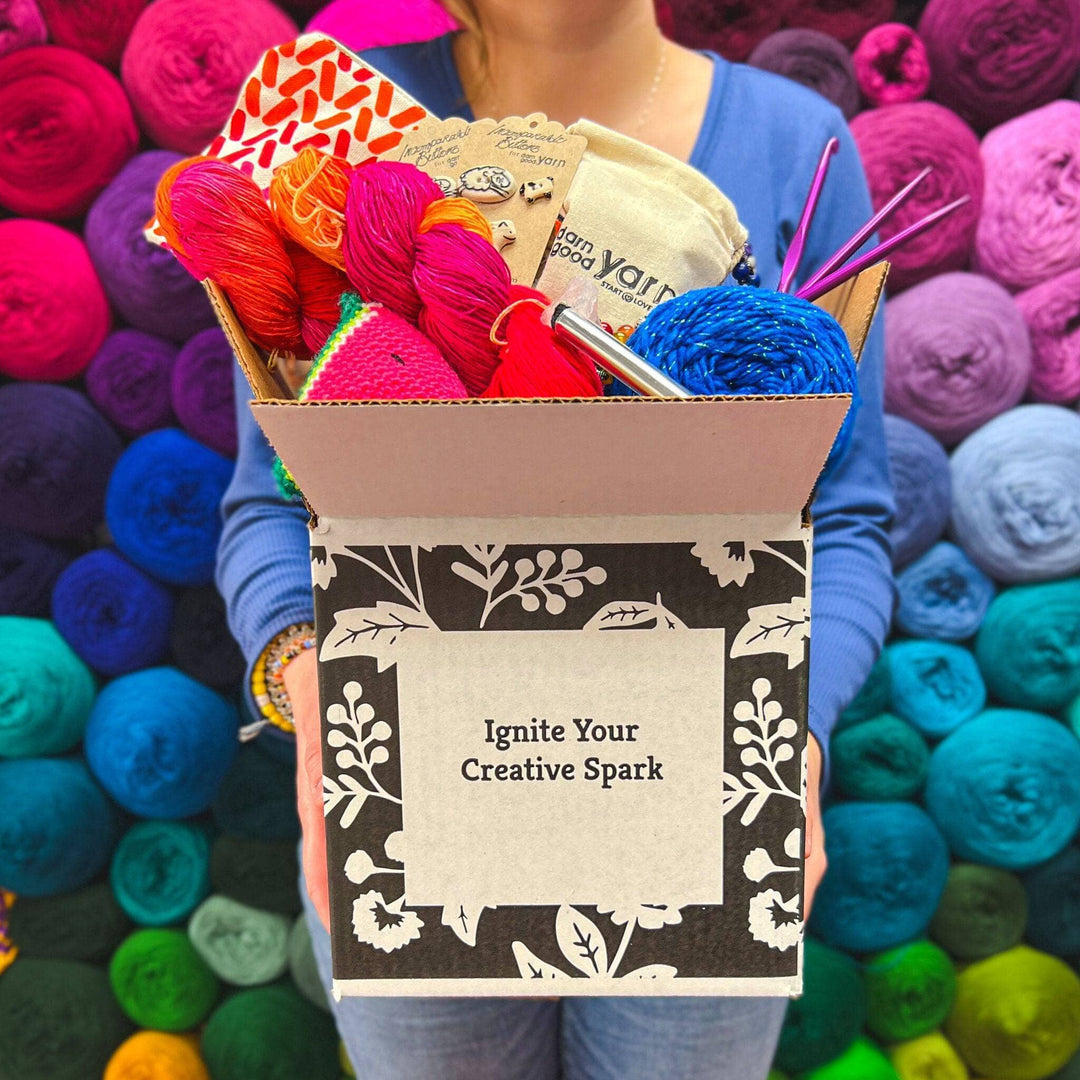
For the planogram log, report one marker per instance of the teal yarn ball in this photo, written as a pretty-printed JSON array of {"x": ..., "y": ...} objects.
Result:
[
  {"x": 1029, "y": 645},
  {"x": 45, "y": 690},
  {"x": 983, "y": 911},
  {"x": 161, "y": 871},
  {"x": 242, "y": 945},
  {"x": 1005, "y": 788},
  {"x": 1053, "y": 892},
  {"x": 873, "y": 697},
  {"x": 160, "y": 743},
  {"x": 57, "y": 828},
  {"x": 936, "y": 686},
  {"x": 909, "y": 991},
  {"x": 824, "y": 1022},
  {"x": 888, "y": 865},
  {"x": 881, "y": 759}
]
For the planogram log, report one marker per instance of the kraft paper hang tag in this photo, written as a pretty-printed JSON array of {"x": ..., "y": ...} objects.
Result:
[{"x": 518, "y": 171}]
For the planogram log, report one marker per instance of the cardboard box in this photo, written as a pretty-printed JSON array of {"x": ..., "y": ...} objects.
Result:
[{"x": 563, "y": 659}]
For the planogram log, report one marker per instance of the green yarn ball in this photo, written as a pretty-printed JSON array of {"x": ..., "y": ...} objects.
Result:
[
  {"x": 1017, "y": 1015},
  {"x": 776, "y": 1074},
  {"x": 46, "y": 691},
  {"x": 161, "y": 982},
  {"x": 983, "y": 911},
  {"x": 58, "y": 1021},
  {"x": 830, "y": 1014},
  {"x": 303, "y": 967},
  {"x": 909, "y": 991},
  {"x": 861, "y": 1061},
  {"x": 160, "y": 871},
  {"x": 882, "y": 758},
  {"x": 259, "y": 873},
  {"x": 240, "y": 944},
  {"x": 929, "y": 1057},
  {"x": 87, "y": 924},
  {"x": 872, "y": 699},
  {"x": 270, "y": 1033}
]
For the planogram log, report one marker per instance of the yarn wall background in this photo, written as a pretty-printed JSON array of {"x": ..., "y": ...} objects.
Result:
[{"x": 179, "y": 916}]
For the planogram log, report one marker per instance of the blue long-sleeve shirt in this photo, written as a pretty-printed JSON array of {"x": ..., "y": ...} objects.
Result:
[{"x": 759, "y": 142}]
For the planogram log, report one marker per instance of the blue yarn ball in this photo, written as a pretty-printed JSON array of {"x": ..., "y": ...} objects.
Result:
[
  {"x": 888, "y": 865},
  {"x": 936, "y": 686},
  {"x": 1004, "y": 788},
  {"x": 728, "y": 340},
  {"x": 1053, "y": 892},
  {"x": 160, "y": 743},
  {"x": 943, "y": 595},
  {"x": 162, "y": 506},
  {"x": 57, "y": 828},
  {"x": 922, "y": 486},
  {"x": 113, "y": 615}
]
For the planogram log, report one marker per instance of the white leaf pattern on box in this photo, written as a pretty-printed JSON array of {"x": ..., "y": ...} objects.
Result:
[
  {"x": 775, "y": 628},
  {"x": 531, "y": 966},
  {"x": 774, "y": 920},
  {"x": 463, "y": 921},
  {"x": 732, "y": 561},
  {"x": 635, "y": 615},
  {"x": 581, "y": 942}
]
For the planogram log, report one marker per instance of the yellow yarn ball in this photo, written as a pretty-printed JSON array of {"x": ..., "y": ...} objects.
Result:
[
  {"x": 153, "y": 1055},
  {"x": 929, "y": 1056}
]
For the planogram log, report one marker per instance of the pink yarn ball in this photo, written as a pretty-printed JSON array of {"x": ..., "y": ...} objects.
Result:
[
  {"x": 187, "y": 60},
  {"x": 360, "y": 24},
  {"x": 891, "y": 65},
  {"x": 1052, "y": 311},
  {"x": 957, "y": 354},
  {"x": 53, "y": 311},
  {"x": 1030, "y": 225},
  {"x": 21, "y": 24},
  {"x": 896, "y": 143},
  {"x": 993, "y": 60}
]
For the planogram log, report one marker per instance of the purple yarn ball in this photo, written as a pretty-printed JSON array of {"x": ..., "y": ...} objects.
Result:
[
  {"x": 128, "y": 380},
  {"x": 922, "y": 485},
  {"x": 29, "y": 567},
  {"x": 202, "y": 391},
  {"x": 144, "y": 282},
  {"x": 957, "y": 354},
  {"x": 813, "y": 59},
  {"x": 21, "y": 24}
]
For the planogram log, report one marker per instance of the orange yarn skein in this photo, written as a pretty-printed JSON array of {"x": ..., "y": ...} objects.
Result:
[{"x": 307, "y": 197}]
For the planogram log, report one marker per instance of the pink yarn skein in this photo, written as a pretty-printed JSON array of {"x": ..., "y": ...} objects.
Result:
[
  {"x": 1052, "y": 311},
  {"x": 1030, "y": 225},
  {"x": 360, "y": 24},
  {"x": 896, "y": 143},
  {"x": 891, "y": 65},
  {"x": 21, "y": 24}
]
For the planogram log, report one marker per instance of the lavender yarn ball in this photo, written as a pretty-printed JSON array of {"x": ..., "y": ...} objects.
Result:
[
  {"x": 896, "y": 143},
  {"x": 21, "y": 24},
  {"x": 1016, "y": 494},
  {"x": 815, "y": 60},
  {"x": 1030, "y": 220},
  {"x": 891, "y": 65},
  {"x": 943, "y": 595},
  {"x": 144, "y": 282},
  {"x": 1052, "y": 313},
  {"x": 128, "y": 380},
  {"x": 919, "y": 469},
  {"x": 56, "y": 452},
  {"x": 993, "y": 61},
  {"x": 202, "y": 391},
  {"x": 957, "y": 354}
]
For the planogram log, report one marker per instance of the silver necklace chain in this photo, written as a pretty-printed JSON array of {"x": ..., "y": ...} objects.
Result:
[{"x": 650, "y": 100}]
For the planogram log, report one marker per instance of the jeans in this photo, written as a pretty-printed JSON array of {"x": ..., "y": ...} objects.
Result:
[{"x": 648, "y": 1038}]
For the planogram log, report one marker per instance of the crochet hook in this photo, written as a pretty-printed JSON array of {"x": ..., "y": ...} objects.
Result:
[
  {"x": 851, "y": 246},
  {"x": 830, "y": 281},
  {"x": 798, "y": 241}
]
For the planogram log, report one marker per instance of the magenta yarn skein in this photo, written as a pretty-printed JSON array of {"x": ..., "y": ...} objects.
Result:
[
  {"x": 202, "y": 391},
  {"x": 896, "y": 143},
  {"x": 813, "y": 59},
  {"x": 891, "y": 65},
  {"x": 53, "y": 311},
  {"x": 128, "y": 380},
  {"x": 1030, "y": 223},
  {"x": 1052, "y": 312},
  {"x": 359, "y": 24},
  {"x": 21, "y": 24},
  {"x": 186, "y": 61},
  {"x": 992, "y": 61},
  {"x": 957, "y": 354}
]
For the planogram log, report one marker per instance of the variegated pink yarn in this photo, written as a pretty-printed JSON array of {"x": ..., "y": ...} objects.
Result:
[
  {"x": 891, "y": 65},
  {"x": 1052, "y": 312}
]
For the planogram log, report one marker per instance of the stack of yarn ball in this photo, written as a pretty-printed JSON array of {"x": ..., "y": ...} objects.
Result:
[
  {"x": 148, "y": 905},
  {"x": 149, "y": 912}
]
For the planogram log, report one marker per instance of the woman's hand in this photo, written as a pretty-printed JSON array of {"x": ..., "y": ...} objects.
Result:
[
  {"x": 815, "y": 832},
  {"x": 303, "y": 689}
]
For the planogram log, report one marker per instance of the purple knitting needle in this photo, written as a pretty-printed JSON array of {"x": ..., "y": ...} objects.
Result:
[
  {"x": 798, "y": 241},
  {"x": 851, "y": 246},
  {"x": 830, "y": 281}
]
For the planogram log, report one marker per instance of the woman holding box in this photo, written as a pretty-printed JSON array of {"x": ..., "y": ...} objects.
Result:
[{"x": 758, "y": 138}]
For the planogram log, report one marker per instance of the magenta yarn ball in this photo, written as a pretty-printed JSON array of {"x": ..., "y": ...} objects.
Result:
[
  {"x": 98, "y": 28},
  {"x": 1052, "y": 311},
  {"x": 53, "y": 311},
  {"x": 21, "y": 24},
  {"x": 891, "y": 65},
  {"x": 1030, "y": 225},
  {"x": 896, "y": 143},
  {"x": 845, "y": 20},
  {"x": 360, "y": 24},
  {"x": 187, "y": 60},
  {"x": 957, "y": 354},
  {"x": 993, "y": 60}
]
